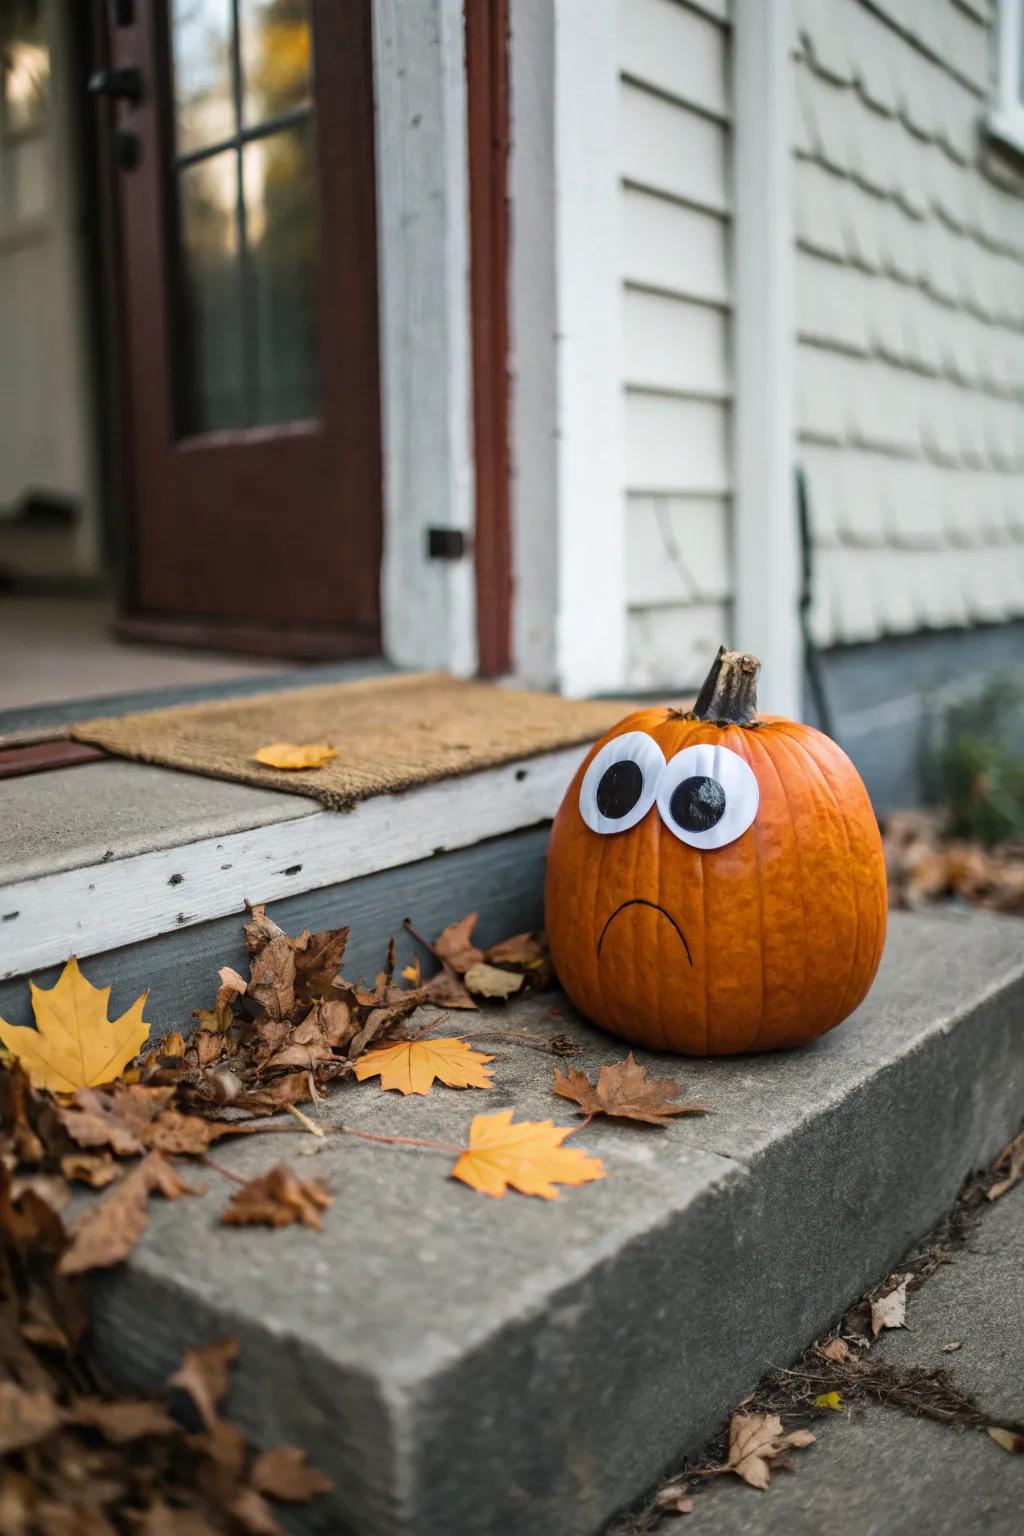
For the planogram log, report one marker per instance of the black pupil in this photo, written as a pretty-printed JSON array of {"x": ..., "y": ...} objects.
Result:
[
  {"x": 620, "y": 788},
  {"x": 697, "y": 803}
]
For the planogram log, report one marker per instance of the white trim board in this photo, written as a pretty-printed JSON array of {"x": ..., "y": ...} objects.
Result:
[{"x": 104, "y": 906}]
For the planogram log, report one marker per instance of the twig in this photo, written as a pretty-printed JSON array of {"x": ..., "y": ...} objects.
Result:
[
  {"x": 516, "y": 1037},
  {"x": 304, "y": 1120},
  {"x": 208, "y": 1162},
  {"x": 403, "y": 1141},
  {"x": 407, "y": 925}
]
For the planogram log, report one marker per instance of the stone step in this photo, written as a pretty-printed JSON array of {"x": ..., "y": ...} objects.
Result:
[{"x": 471, "y": 1366}]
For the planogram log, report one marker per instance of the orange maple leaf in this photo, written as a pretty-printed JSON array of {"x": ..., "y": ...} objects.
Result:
[
  {"x": 288, "y": 754},
  {"x": 528, "y": 1157},
  {"x": 75, "y": 1044},
  {"x": 411, "y": 1066}
]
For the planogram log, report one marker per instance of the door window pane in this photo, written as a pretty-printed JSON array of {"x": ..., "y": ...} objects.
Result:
[
  {"x": 24, "y": 67},
  {"x": 281, "y": 236},
  {"x": 211, "y": 370},
  {"x": 201, "y": 44},
  {"x": 275, "y": 40}
]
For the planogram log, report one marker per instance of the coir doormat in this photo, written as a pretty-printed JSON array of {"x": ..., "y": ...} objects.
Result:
[{"x": 390, "y": 733}]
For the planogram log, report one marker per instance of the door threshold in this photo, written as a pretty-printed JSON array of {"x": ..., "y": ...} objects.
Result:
[{"x": 287, "y": 643}]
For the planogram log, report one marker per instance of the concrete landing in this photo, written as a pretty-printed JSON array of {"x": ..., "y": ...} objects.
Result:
[
  {"x": 875, "y": 1470},
  {"x": 475, "y": 1367}
]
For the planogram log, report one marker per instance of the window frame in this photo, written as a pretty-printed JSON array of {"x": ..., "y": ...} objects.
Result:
[{"x": 1005, "y": 119}]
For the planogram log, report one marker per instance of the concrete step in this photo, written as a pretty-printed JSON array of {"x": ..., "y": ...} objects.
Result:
[
  {"x": 473, "y": 1367},
  {"x": 875, "y": 1469}
]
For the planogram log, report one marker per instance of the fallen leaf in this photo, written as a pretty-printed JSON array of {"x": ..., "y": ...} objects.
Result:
[
  {"x": 318, "y": 958},
  {"x": 259, "y": 930},
  {"x": 110, "y": 1229},
  {"x": 284, "y": 1473},
  {"x": 529, "y": 1157},
  {"x": 96, "y": 1169},
  {"x": 290, "y": 755},
  {"x": 25, "y": 1417},
  {"x": 455, "y": 947},
  {"x": 278, "y": 1199},
  {"x": 831, "y": 1400},
  {"x": 254, "y": 1514},
  {"x": 673, "y": 1500},
  {"x": 125, "y": 1419},
  {"x": 204, "y": 1374},
  {"x": 413, "y": 972},
  {"x": 75, "y": 1044},
  {"x": 952, "y": 1347},
  {"x": 624, "y": 1091},
  {"x": 1013, "y": 1155},
  {"x": 834, "y": 1349},
  {"x": 272, "y": 983},
  {"x": 756, "y": 1442},
  {"x": 1009, "y": 1439},
  {"x": 488, "y": 981},
  {"x": 526, "y": 949},
  {"x": 411, "y": 1066},
  {"x": 890, "y": 1310}
]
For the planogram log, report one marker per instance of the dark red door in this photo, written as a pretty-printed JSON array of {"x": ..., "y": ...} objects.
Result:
[{"x": 248, "y": 301}]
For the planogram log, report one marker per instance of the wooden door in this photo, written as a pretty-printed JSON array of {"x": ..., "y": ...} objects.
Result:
[{"x": 248, "y": 301}]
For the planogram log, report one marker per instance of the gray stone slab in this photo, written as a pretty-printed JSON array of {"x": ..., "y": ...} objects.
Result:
[
  {"x": 71, "y": 817},
  {"x": 468, "y": 1366},
  {"x": 502, "y": 879},
  {"x": 877, "y": 1472}
]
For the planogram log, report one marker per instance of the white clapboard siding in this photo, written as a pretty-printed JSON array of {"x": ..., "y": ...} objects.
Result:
[
  {"x": 670, "y": 649},
  {"x": 673, "y": 248},
  {"x": 672, "y": 48},
  {"x": 677, "y": 550},
  {"x": 674, "y": 233},
  {"x": 676, "y": 446},
  {"x": 909, "y": 299},
  {"x": 671, "y": 150},
  {"x": 675, "y": 345}
]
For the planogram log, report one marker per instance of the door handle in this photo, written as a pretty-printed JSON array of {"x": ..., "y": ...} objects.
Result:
[{"x": 125, "y": 84}]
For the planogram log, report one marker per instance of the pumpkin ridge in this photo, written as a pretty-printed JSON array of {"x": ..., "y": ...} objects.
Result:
[
  {"x": 760, "y": 912},
  {"x": 807, "y": 756},
  {"x": 808, "y": 747},
  {"x": 766, "y": 755}
]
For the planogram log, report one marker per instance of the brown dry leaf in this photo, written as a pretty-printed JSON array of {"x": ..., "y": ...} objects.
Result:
[
  {"x": 1009, "y": 1439},
  {"x": 445, "y": 990},
  {"x": 412, "y": 1066},
  {"x": 204, "y": 1374},
  {"x": 291, "y": 755},
  {"x": 96, "y": 1169},
  {"x": 890, "y": 1310},
  {"x": 757, "y": 1443},
  {"x": 625, "y": 1092},
  {"x": 488, "y": 981},
  {"x": 1013, "y": 1156},
  {"x": 284, "y": 1473},
  {"x": 673, "y": 1500},
  {"x": 454, "y": 945},
  {"x": 75, "y": 1044},
  {"x": 278, "y": 1199},
  {"x": 529, "y": 1157},
  {"x": 952, "y": 1347},
  {"x": 260, "y": 929},
  {"x": 110, "y": 1229},
  {"x": 124, "y": 1419},
  {"x": 25, "y": 1417},
  {"x": 272, "y": 983},
  {"x": 318, "y": 958},
  {"x": 834, "y": 1349},
  {"x": 526, "y": 949}
]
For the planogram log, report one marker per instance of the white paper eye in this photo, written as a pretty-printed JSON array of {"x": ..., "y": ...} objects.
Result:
[
  {"x": 618, "y": 788},
  {"x": 707, "y": 796}
]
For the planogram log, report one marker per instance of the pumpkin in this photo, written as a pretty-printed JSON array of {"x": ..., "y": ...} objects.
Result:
[{"x": 715, "y": 880}]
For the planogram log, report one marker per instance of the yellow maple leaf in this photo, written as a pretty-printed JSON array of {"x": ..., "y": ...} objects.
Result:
[
  {"x": 528, "y": 1157},
  {"x": 411, "y": 1066},
  {"x": 288, "y": 754},
  {"x": 75, "y": 1044},
  {"x": 833, "y": 1400}
]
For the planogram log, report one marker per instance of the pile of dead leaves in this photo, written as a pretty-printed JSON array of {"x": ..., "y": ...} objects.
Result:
[{"x": 925, "y": 865}]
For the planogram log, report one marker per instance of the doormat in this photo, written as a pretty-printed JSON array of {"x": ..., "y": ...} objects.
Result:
[{"x": 390, "y": 733}]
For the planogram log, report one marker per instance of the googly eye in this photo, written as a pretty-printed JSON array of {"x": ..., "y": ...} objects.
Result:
[
  {"x": 618, "y": 788},
  {"x": 707, "y": 796}
]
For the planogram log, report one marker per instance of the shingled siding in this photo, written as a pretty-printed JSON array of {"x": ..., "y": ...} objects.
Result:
[
  {"x": 910, "y": 319},
  {"x": 674, "y": 239}
]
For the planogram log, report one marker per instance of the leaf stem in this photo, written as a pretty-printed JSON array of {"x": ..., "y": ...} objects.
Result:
[
  {"x": 403, "y": 1141},
  {"x": 208, "y": 1162}
]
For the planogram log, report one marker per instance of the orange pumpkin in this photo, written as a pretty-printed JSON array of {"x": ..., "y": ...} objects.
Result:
[{"x": 716, "y": 880}]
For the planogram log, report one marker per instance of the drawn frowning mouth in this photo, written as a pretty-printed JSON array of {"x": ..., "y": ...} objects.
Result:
[{"x": 638, "y": 901}]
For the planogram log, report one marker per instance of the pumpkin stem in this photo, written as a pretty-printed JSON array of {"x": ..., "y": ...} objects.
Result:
[{"x": 729, "y": 694}]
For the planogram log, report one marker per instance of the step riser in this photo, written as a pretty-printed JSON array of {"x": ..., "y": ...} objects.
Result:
[{"x": 502, "y": 879}]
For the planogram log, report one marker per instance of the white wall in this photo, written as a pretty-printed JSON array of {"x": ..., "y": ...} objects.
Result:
[
  {"x": 910, "y": 319},
  {"x": 674, "y": 211},
  {"x": 47, "y": 431}
]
